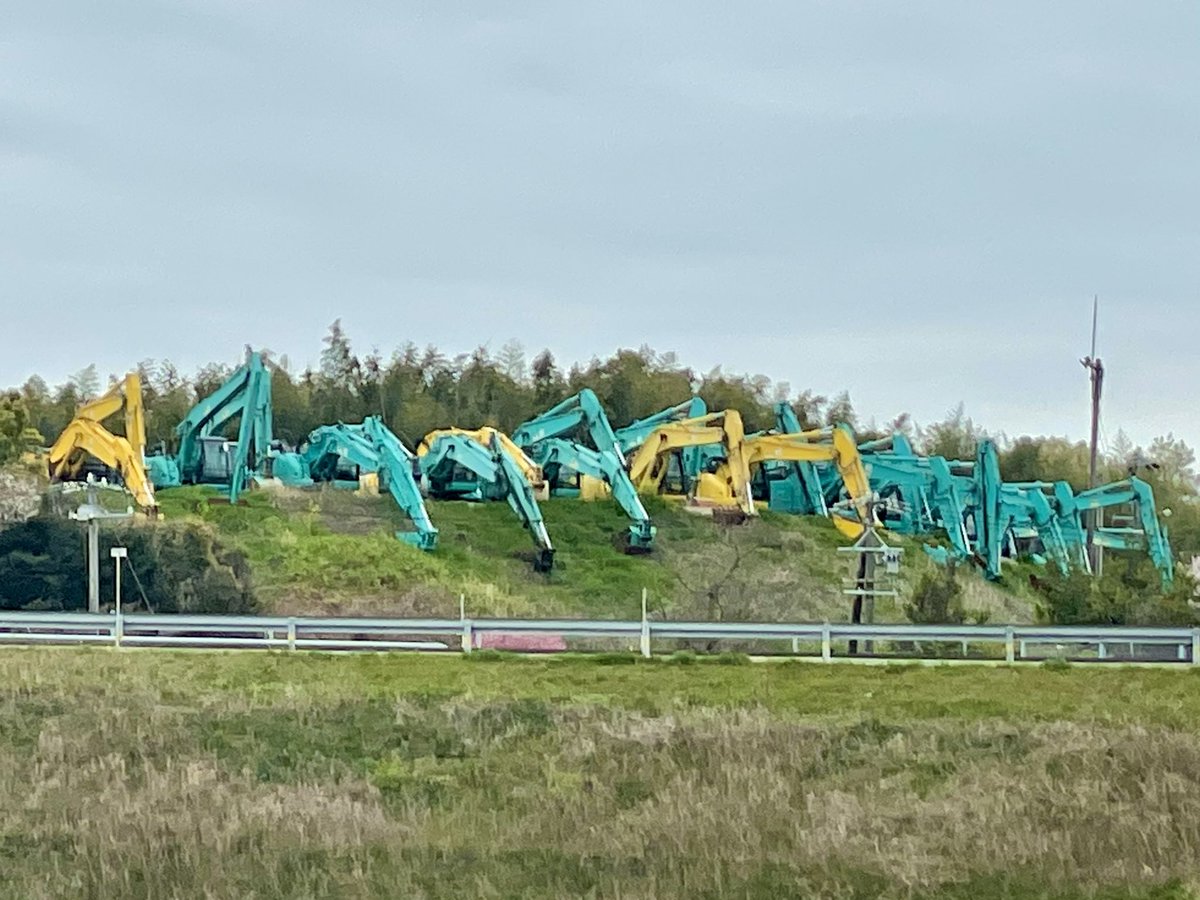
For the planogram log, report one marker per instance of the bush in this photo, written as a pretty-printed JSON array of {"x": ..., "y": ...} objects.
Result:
[
  {"x": 175, "y": 568},
  {"x": 937, "y": 599},
  {"x": 1129, "y": 593}
]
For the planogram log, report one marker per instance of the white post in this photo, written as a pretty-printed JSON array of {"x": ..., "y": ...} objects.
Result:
[
  {"x": 645, "y": 642},
  {"x": 467, "y": 637},
  {"x": 118, "y": 555},
  {"x": 1010, "y": 650},
  {"x": 93, "y": 565},
  {"x": 291, "y": 634},
  {"x": 826, "y": 643},
  {"x": 1196, "y": 646}
]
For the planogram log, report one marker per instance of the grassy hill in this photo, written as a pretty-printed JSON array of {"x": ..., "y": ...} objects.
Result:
[
  {"x": 266, "y": 775},
  {"x": 329, "y": 550}
]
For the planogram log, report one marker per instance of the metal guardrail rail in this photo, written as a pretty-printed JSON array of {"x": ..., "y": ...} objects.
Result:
[{"x": 824, "y": 641}]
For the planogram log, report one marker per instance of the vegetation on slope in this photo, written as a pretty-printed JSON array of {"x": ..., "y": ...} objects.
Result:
[
  {"x": 262, "y": 775},
  {"x": 330, "y": 550}
]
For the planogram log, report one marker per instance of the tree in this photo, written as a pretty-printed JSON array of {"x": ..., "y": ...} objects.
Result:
[
  {"x": 547, "y": 382},
  {"x": 511, "y": 361},
  {"x": 86, "y": 382},
  {"x": 1176, "y": 460},
  {"x": 17, "y": 434},
  {"x": 810, "y": 409},
  {"x": 955, "y": 437},
  {"x": 841, "y": 411},
  {"x": 338, "y": 363},
  {"x": 937, "y": 599}
]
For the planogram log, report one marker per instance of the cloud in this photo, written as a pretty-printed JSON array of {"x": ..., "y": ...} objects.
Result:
[{"x": 911, "y": 201}]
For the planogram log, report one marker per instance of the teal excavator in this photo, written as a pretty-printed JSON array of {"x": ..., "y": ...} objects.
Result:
[
  {"x": 457, "y": 464},
  {"x": 346, "y": 453},
  {"x": 205, "y": 455},
  {"x": 572, "y": 468},
  {"x": 1134, "y": 524}
]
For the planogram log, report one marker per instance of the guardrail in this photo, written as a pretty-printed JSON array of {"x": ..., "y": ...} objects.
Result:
[{"x": 824, "y": 641}]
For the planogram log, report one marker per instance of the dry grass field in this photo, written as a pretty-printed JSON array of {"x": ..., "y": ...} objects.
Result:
[{"x": 150, "y": 774}]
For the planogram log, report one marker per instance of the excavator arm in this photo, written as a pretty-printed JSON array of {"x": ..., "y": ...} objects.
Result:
[
  {"x": 558, "y": 453},
  {"x": 204, "y": 457},
  {"x": 1148, "y": 534},
  {"x": 395, "y": 468},
  {"x": 498, "y": 474},
  {"x": 582, "y": 409},
  {"x": 800, "y": 490},
  {"x": 486, "y": 436},
  {"x": 84, "y": 437},
  {"x": 927, "y": 494},
  {"x": 329, "y": 445},
  {"x": 633, "y": 435}
]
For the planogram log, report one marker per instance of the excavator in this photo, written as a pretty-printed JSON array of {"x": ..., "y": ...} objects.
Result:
[
  {"x": 85, "y": 438},
  {"x": 657, "y": 466},
  {"x": 767, "y": 452},
  {"x": 572, "y": 468},
  {"x": 795, "y": 487},
  {"x": 485, "y": 464},
  {"x": 1070, "y": 510},
  {"x": 728, "y": 479},
  {"x": 342, "y": 453},
  {"x": 205, "y": 456}
]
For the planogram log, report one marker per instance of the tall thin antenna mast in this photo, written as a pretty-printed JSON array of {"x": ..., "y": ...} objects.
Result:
[{"x": 1096, "y": 372}]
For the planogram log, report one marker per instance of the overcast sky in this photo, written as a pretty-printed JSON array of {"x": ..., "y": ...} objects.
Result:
[{"x": 912, "y": 201}]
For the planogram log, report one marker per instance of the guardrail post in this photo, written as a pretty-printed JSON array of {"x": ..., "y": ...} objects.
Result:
[
  {"x": 118, "y": 629},
  {"x": 1196, "y": 646},
  {"x": 1101, "y": 651},
  {"x": 645, "y": 642},
  {"x": 291, "y": 634},
  {"x": 468, "y": 638},
  {"x": 826, "y": 643},
  {"x": 795, "y": 645},
  {"x": 1010, "y": 647}
]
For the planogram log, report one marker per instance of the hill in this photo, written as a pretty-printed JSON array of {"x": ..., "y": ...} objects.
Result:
[{"x": 332, "y": 551}]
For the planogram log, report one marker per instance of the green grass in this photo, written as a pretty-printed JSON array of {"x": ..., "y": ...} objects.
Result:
[
  {"x": 157, "y": 774},
  {"x": 330, "y": 550}
]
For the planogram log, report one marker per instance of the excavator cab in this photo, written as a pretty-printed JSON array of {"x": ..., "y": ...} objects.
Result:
[{"x": 215, "y": 462}]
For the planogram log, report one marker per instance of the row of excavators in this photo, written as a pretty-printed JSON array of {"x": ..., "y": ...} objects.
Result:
[{"x": 702, "y": 459}]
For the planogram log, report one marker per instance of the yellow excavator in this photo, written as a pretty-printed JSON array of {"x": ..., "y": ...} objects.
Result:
[
  {"x": 726, "y": 480},
  {"x": 658, "y": 465},
  {"x": 837, "y": 446},
  {"x": 85, "y": 438}
]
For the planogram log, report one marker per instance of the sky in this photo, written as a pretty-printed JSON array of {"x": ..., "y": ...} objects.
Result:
[{"x": 914, "y": 202}]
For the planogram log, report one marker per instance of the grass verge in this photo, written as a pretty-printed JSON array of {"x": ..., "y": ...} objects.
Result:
[{"x": 157, "y": 774}]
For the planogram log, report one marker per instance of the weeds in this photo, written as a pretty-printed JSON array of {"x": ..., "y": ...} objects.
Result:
[{"x": 256, "y": 775}]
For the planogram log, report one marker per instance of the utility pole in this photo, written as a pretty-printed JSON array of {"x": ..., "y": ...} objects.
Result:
[{"x": 1096, "y": 372}]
